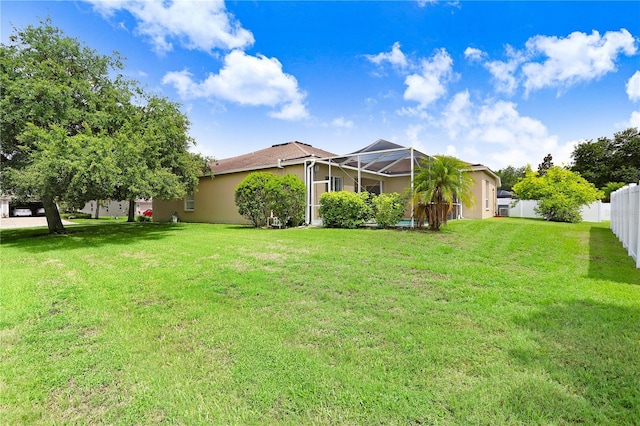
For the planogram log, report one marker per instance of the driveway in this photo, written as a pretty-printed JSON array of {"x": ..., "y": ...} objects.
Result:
[{"x": 26, "y": 222}]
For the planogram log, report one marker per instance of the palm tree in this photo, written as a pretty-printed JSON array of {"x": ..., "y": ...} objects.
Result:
[{"x": 442, "y": 181}]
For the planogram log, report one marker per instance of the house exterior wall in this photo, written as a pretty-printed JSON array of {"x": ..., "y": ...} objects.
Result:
[
  {"x": 214, "y": 201},
  {"x": 485, "y": 191}
]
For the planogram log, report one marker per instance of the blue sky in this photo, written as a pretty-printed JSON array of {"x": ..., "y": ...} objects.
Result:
[{"x": 498, "y": 83}]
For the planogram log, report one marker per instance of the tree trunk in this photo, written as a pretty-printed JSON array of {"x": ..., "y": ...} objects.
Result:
[
  {"x": 97, "y": 216},
  {"x": 53, "y": 215},
  {"x": 131, "y": 217}
]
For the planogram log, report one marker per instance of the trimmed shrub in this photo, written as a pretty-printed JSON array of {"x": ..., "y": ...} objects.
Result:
[
  {"x": 251, "y": 197},
  {"x": 389, "y": 209},
  {"x": 261, "y": 193},
  {"x": 286, "y": 199},
  {"x": 344, "y": 209}
]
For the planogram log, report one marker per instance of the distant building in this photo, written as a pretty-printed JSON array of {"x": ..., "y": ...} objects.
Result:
[{"x": 115, "y": 208}]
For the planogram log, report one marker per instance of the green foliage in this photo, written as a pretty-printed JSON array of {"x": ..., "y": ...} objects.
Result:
[
  {"x": 442, "y": 181},
  {"x": 609, "y": 188},
  {"x": 263, "y": 193},
  {"x": 344, "y": 209},
  {"x": 286, "y": 199},
  {"x": 389, "y": 209},
  {"x": 560, "y": 193},
  {"x": 251, "y": 197},
  {"x": 72, "y": 129},
  {"x": 609, "y": 160},
  {"x": 510, "y": 175},
  {"x": 142, "y": 218}
]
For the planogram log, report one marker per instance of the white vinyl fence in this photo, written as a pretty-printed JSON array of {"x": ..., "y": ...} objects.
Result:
[
  {"x": 625, "y": 219},
  {"x": 595, "y": 212}
]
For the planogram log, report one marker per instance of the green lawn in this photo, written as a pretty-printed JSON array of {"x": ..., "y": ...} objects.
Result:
[{"x": 502, "y": 321}]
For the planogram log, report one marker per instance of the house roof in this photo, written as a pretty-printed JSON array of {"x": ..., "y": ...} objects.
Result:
[
  {"x": 384, "y": 157},
  {"x": 269, "y": 157}
]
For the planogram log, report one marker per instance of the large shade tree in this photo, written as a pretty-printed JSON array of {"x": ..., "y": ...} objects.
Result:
[
  {"x": 442, "y": 181},
  {"x": 609, "y": 160},
  {"x": 510, "y": 175},
  {"x": 73, "y": 129}
]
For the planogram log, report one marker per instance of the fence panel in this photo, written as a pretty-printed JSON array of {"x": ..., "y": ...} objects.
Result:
[
  {"x": 595, "y": 212},
  {"x": 625, "y": 219}
]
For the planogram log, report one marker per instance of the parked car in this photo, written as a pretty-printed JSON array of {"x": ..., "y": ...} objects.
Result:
[
  {"x": 21, "y": 211},
  {"x": 147, "y": 213},
  {"x": 40, "y": 211}
]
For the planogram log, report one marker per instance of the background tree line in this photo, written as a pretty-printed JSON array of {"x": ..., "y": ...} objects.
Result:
[{"x": 606, "y": 162}]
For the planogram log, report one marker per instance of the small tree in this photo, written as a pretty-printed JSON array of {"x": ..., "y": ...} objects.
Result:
[
  {"x": 344, "y": 209},
  {"x": 389, "y": 209},
  {"x": 560, "y": 193},
  {"x": 442, "y": 180}
]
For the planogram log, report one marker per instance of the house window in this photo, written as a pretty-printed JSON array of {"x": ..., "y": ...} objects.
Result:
[
  {"x": 336, "y": 183},
  {"x": 486, "y": 194},
  {"x": 189, "y": 203}
]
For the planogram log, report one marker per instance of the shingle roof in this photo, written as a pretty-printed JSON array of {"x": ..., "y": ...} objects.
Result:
[{"x": 269, "y": 157}]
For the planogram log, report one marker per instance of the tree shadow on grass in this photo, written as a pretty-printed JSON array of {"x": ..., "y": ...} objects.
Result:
[
  {"x": 608, "y": 260},
  {"x": 38, "y": 240},
  {"x": 582, "y": 364}
]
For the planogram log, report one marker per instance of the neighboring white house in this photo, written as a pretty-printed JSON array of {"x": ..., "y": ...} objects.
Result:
[{"x": 115, "y": 208}]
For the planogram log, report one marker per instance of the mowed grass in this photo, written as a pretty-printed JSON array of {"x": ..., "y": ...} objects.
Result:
[{"x": 502, "y": 321}]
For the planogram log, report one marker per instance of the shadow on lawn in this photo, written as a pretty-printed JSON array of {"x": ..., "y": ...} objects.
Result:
[
  {"x": 582, "y": 362},
  {"x": 83, "y": 236},
  {"x": 608, "y": 260}
]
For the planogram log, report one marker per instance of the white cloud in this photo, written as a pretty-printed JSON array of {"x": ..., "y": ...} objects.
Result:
[
  {"x": 200, "y": 25},
  {"x": 413, "y": 135},
  {"x": 634, "y": 120},
  {"x": 473, "y": 54},
  {"x": 457, "y": 116},
  {"x": 577, "y": 58},
  {"x": 633, "y": 87},
  {"x": 429, "y": 85},
  {"x": 395, "y": 57},
  {"x": 423, "y": 3},
  {"x": 496, "y": 134},
  {"x": 340, "y": 122},
  {"x": 246, "y": 80},
  {"x": 504, "y": 72}
]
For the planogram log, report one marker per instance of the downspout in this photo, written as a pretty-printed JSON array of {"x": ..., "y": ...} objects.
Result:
[
  {"x": 359, "y": 175},
  {"x": 412, "y": 206},
  {"x": 310, "y": 194}
]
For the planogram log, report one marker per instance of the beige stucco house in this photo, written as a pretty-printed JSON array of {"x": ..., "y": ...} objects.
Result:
[{"x": 380, "y": 167}]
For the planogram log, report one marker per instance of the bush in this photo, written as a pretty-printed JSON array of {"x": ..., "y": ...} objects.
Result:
[
  {"x": 261, "y": 193},
  {"x": 251, "y": 197},
  {"x": 389, "y": 209},
  {"x": 344, "y": 209},
  {"x": 286, "y": 199},
  {"x": 143, "y": 218}
]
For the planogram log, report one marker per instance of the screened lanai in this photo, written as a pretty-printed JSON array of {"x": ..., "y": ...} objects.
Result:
[{"x": 380, "y": 167}]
